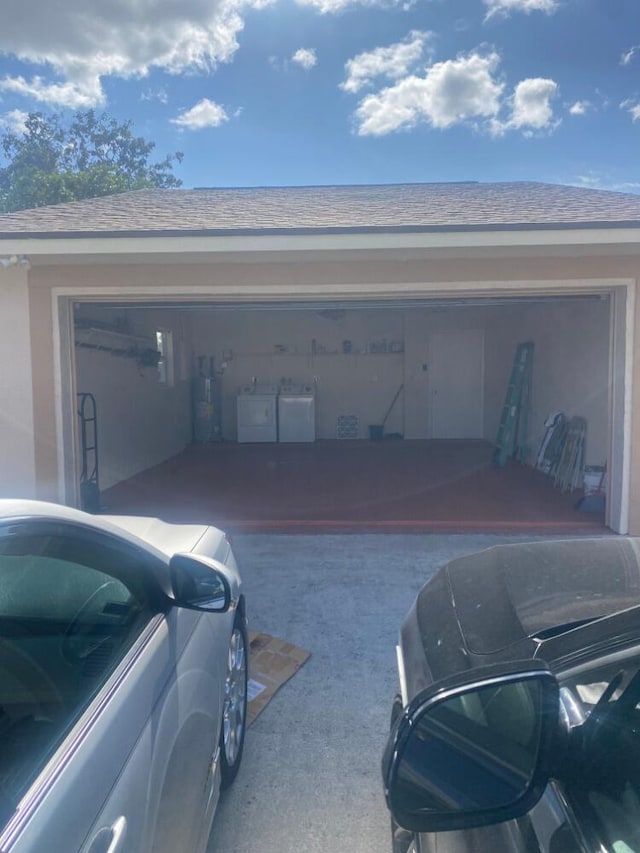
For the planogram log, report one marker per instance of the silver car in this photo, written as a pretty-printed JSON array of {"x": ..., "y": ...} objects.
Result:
[{"x": 123, "y": 675}]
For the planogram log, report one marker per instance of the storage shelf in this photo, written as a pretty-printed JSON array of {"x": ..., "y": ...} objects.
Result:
[
  {"x": 88, "y": 334},
  {"x": 143, "y": 350},
  {"x": 237, "y": 355}
]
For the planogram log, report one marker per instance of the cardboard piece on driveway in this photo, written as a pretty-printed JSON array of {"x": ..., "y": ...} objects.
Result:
[{"x": 272, "y": 662}]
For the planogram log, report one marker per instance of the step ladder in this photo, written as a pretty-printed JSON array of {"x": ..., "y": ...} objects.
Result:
[
  {"x": 511, "y": 439},
  {"x": 89, "y": 485},
  {"x": 568, "y": 474}
]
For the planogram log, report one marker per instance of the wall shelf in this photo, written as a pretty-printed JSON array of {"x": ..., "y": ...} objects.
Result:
[
  {"x": 334, "y": 354},
  {"x": 143, "y": 350},
  {"x": 93, "y": 334}
]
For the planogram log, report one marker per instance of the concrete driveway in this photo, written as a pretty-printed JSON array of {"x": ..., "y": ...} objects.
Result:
[{"x": 310, "y": 779}]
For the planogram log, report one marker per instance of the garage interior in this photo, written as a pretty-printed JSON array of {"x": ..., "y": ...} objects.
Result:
[{"x": 404, "y": 401}]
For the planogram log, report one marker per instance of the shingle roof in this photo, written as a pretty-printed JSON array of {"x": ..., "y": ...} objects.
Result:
[{"x": 330, "y": 209}]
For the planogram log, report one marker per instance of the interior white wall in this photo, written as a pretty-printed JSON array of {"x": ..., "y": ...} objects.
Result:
[
  {"x": 17, "y": 451},
  {"x": 571, "y": 367},
  {"x": 571, "y": 364},
  {"x": 140, "y": 422},
  {"x": 359, "y": 383}
]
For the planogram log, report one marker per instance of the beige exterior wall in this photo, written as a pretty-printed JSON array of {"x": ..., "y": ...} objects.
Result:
[
  {"x": 17, "y": 461},
  {"x": 44, "y": 402},
  {"x": 634, "y": 473},
  {"x": 334, "y": 279}
]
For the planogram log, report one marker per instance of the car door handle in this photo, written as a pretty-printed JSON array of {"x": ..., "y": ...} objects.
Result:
[{"x": 109, "y": 839}]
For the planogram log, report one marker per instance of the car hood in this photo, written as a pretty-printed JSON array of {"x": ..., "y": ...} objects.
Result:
[
  {"x": 168, "y": 538},
  {"x": 508, "y": 593},
  {"x": 510, "y": 601}
]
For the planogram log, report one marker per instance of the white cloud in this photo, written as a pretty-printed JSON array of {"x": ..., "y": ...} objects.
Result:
[
  {"x": 580, "y": 108},
  {"x": 532, "y": 103},
  {"x": 14, "y": 121},
  {"x": 506, "y": 7},
  {"x": 393, "y": 62},
  {"x": 155, "y": 95},
  {"x": 76, "y": 96},
  {"x": 628, "y": 187},
  {"x": 633, "y": 108},
  {"x": 592, "y": 180},
  {"x": 531, "y": 108},
  {"x": 452, "y": 92},
  {"x": 335, "y": 6},
  {"x": 468, "y": 90},
  {"x": 205, "y": 113},
  {"x": 628, "y": 55},
  {"x": 305, "y": 57},
  {"x": 81, "y": 41}
]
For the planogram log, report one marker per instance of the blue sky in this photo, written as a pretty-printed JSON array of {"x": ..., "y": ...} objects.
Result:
[{"x": 289, "y": 92}]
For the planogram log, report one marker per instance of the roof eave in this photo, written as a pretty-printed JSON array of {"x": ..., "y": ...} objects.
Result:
[
  {"x": 622, "y": 237},
  {"x": 318, "y": 231}
]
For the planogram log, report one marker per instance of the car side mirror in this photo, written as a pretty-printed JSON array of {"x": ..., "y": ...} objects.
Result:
[
  {"x": 198, "y": 584},
  {"x": 472, "y": 753}
]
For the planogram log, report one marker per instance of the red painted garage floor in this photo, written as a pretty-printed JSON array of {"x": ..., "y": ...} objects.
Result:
[{"x": 351, "y": 486}]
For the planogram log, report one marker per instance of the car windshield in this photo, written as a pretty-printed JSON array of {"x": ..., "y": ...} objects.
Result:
[
  {"x": 63, "y": 626},
  {"x": 604, "y": 775}
]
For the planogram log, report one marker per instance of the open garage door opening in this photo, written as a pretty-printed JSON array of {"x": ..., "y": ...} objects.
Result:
[{"x": 337, "y": 415}]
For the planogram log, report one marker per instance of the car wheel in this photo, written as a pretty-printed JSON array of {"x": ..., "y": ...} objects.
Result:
[{"x": 234, "y": 711}]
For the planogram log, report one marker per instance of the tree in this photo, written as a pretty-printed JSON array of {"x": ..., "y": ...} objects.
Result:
[{"x": 51, "y": 162}]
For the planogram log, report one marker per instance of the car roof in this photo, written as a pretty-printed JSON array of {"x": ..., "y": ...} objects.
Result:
[
  {"x": 44, "y": 510},
  {"x": 158, "y": 536},
  {"x": 508, "y": 593}
]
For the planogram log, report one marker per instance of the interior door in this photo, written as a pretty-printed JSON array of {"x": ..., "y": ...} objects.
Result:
[{"x": 456, "y": 384}]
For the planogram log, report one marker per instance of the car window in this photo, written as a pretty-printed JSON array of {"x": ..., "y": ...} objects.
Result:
[
  {"x": 65, "y": 623},
  {"x": 604, "y": 775}
]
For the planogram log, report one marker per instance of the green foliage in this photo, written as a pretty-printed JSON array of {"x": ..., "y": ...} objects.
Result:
[{"x": 51, "y": 162}]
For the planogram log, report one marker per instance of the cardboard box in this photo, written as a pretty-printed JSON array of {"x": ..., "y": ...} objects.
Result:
[{"x": 272, "y": 662}]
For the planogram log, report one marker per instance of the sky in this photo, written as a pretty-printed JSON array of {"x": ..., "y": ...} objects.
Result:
[{"x": 308, "y": 92}]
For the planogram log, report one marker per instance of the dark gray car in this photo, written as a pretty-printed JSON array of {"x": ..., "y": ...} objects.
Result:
[{"x": 518, "y": 724}]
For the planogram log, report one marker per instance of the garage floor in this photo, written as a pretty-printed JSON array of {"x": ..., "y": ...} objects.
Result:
[{"x": 350, "y": 486}]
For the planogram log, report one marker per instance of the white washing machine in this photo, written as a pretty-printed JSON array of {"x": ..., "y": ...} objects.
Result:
[
  {"x": 257, "y": 408},
  {"x": 297, "y": 413}
]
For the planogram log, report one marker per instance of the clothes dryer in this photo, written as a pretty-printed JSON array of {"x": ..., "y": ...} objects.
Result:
[
  {"x": 297, "y": 413},
  {"x": 257, "y": 409}
]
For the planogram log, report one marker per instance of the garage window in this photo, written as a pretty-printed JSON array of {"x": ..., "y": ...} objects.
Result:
[{"x": 164, "y": 345}]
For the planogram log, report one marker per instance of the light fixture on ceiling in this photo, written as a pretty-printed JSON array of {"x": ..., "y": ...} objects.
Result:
[{"x": 15, "y": 261}]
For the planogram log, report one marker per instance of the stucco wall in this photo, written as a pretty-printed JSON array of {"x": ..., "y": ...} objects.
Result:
[{"x": 17, "y": 458}]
